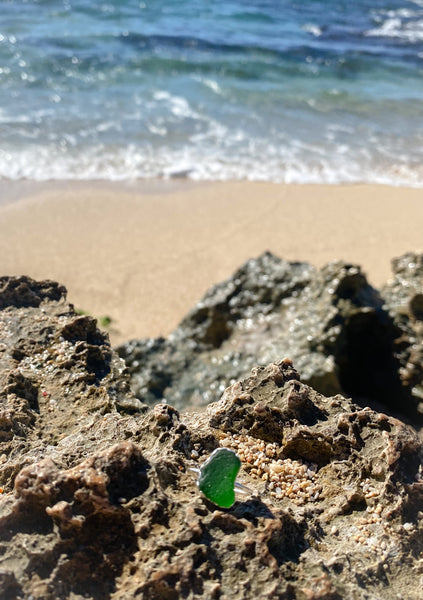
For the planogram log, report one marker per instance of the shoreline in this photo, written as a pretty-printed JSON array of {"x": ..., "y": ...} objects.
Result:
[
  {"x": 144, "y": 252},
  {"x": 15, "y": 190}
]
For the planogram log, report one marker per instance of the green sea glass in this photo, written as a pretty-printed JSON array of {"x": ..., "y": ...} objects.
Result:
[{"x": 217, "y": 477}]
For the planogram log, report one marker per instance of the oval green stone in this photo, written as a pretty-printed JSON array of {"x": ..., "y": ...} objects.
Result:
[{"x": 217, "y": 477}]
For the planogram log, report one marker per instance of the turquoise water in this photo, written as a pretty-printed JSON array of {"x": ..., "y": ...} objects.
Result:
[{"x": 316, "y": 91}]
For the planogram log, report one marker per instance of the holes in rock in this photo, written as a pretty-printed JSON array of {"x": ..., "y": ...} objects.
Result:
[
  {"x": 416, "y": 307},
  {"x": 83, "y": 328},
  {"x": 367, "y": 366},
  {"x": 31, "y": 518},
  {"x": 95, "y": 358},
  {"x": 350, "y": 285},
  {"x": 356, "y": 503},
  {"x": 23, "y": 388},
  {"x": 218, "y": 331},
  {"x": 130, "y": 481},
  {"x": 309, "y": 448},
  {"x": 158, "y": 381},
  {"x": 287, "y": 542}
]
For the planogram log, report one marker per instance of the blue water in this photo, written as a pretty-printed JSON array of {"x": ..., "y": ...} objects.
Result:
[{"x": 276, "y": 90}]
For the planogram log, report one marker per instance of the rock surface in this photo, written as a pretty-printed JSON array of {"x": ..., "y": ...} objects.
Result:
[
  {"x": 343, "y": 335},
  {"x": 403, "y": 297},
  {"x": 56, "y": 368},
  {"x": 99, "y": 502}
]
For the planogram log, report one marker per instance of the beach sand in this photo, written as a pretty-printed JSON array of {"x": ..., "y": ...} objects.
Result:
[{"x": 145, "y": 253}]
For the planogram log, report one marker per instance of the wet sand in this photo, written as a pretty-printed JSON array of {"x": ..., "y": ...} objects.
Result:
[{"x": 144, "y": 253}]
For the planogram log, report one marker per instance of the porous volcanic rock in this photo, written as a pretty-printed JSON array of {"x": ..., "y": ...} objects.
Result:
[
  {"x": 331, "y": 322},
  {"x": 57, "y": 370},
  {"x": 124, "y": 518}
]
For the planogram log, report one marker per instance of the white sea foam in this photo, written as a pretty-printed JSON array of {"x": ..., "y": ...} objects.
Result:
[
  {"x": 272, "y": 100},
  {"x": 213, "y": 85},
  {"x": 395, "y": 27},
  {"x": 177, "y": 105},
  {"x": 313, "y": 29},
  {"x": 209, "y": 83},
  {"x": 301, "y": 163}
]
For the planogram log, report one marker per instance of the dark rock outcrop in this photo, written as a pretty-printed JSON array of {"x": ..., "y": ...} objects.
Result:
[
  {"x": 330, "y": 322},
  {"x": 403, "y": 298}
]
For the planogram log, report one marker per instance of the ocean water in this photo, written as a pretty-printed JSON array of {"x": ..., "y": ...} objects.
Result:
[{"x": 269, "y": 90}]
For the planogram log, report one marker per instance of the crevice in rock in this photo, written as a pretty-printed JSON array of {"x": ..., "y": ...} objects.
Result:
[{"x": 367, "y": 365}]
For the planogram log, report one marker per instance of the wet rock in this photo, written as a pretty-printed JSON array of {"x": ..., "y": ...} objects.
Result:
[
  {"x": 330, "y": 322},
  {"x": 253, "y": 291},
  {"x": 206, "y": 352},
  {"x": 211, "y": 347}
]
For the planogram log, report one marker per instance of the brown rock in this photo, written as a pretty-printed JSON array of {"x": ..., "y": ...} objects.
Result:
[{"x": 102, "y": 504}]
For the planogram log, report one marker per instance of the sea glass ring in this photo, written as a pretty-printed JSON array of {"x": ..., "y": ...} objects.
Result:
[{"x": 217, "y": 477}]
